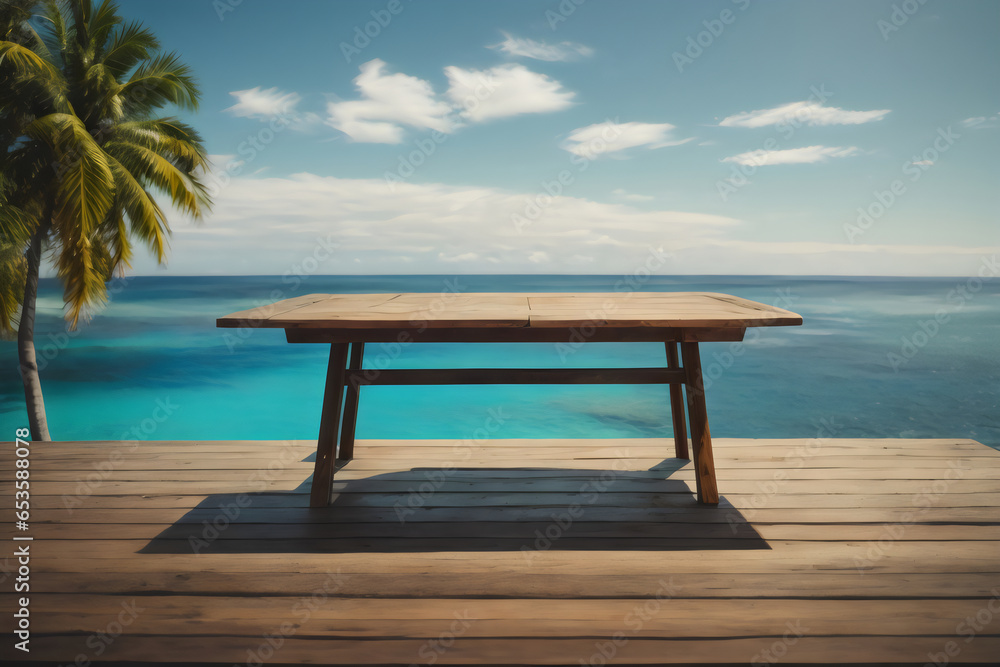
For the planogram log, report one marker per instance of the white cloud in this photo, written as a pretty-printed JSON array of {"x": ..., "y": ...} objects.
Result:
[
  {"x": 272, "y": 105},
  {"x": 805, "y": 155},
  {"x": 538, "y": 257},
  {"x": 817, "y": 247},
  {"x": 529, "y": 48},
  {"x": 279, "y": 226},
  {"x": 612, "y": 137},
  {"x": 630, "y": 196},
  {"x": 464, "y": 257},
  {"x": 802, "y": 113},
  {"x": 220, "y": 163},
  {"x": 820, "y": 258},
  {"x": 270, "y": 225},
  {"x": 924, "y": 163},
  {"x": 982, "y": 122},
  {"x": 263, "y": 104},
  {"x": 391, "y": 102},
  {"x": 507, "y": 90},
  {"x": 388, "y": 102}
]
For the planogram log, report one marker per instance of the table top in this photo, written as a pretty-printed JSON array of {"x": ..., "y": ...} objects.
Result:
[{"x": 620, "y": 310}]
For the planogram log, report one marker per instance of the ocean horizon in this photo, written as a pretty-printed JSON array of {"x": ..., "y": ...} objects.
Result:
[{"x": 876, "y": 357}]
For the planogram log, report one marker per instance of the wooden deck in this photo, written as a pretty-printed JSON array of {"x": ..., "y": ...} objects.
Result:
[{"x": 510, "y": 552}]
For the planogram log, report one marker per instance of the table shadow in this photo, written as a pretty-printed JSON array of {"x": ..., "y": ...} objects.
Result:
[{"x": 437, "y": 509}]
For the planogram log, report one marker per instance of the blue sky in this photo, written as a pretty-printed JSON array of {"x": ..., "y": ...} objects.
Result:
[{"x": 731, "y": 137}]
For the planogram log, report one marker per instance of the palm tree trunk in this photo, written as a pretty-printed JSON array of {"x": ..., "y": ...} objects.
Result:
[{"x": 26, "y": 343}]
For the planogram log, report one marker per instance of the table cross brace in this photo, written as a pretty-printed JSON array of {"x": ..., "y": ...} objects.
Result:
[{"x": 345, "y": 377}]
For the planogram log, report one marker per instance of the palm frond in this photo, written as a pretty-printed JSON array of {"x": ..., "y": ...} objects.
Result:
[
  {"x": 86, "y": 186},
  {"x": 16, "y": 225},
  {"x": 114, "y": 233},
  {"x": 36, "y": 43},
  {"x": 14, "y": 21},
  {"x": 156, "y": 170},
  {"x": 28, "y": 171},
  {"x": 29, "y": 84},
  {"x": 158, "y": 82},
  {"x": 103, "y": 250},
  {"x": 56, "y": 33},
  {"x": 146, "y": 219},
  {"x": 16, "y": 228},
  {"x": 101, "y": 93},
  {"x": 81, "y": 11},
  {"x": 13, "y": 267},
  {"x": 80, "y": 270},
  {"x": 167, "y": 136},
  {"x": 130, "y": 45},
  {"x": 26, "y": 63},
  {"x": 15, "y": 25},
  {"x": 99, "y": 26},
  {"x": 15, "y": 13}
]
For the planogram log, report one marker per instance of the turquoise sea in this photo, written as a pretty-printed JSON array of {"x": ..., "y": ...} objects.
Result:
[{"x": 876, "y": 357}]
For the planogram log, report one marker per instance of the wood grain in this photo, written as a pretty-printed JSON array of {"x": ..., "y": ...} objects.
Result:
[
  {"x": 876, "y": 551},
  {"x": 514, "y": 310}
]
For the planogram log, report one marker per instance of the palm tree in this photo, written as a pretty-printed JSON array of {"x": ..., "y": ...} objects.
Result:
[{"x": 85, "y": 154}]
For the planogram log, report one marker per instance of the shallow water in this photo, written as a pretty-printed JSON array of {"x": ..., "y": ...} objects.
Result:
[{"x": 152, "y": 365}]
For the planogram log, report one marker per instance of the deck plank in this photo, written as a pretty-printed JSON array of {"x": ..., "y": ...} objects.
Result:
[
  {"x": 471, "y": 650},
  {"x": 876, "y": 550}
]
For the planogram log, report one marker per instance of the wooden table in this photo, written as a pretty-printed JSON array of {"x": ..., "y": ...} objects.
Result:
[{"x": 348, "y": 321}]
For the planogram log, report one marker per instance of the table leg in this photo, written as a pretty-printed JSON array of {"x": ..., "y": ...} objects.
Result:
[
  {"x": 329, "y": 425},
  {"x": 701, "y": 438},
  {"x": 677, "y": 407},
  {"x": 353, "y": 391}
]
